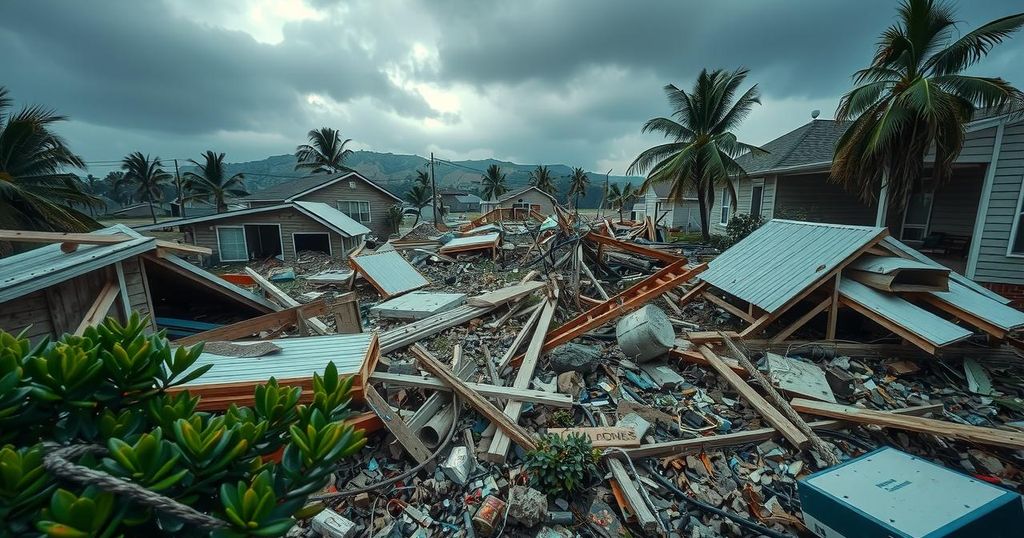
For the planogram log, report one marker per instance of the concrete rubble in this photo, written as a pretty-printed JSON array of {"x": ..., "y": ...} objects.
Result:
[{"x": 717, "y": 452}]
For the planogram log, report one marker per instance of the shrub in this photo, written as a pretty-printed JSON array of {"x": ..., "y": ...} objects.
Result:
[
  {"x": 741, "y": 225},
  {"x": 101, "y": 399},
  {"x": 561, "y": 465}
]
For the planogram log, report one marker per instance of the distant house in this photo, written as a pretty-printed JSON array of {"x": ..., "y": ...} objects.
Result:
[
  {"x": 52, "y": 290},
  {"x": 972, "y": 223},
  {"x": 681, "y": 215},
  {"x": 281, "y": 231},
  {"x": 460, "y": 202},
  {"x": 199, "y": 208},
  {"x": 139, "y": 211},
  {"x": 526, "y": 198},
  {"x": 349, "y": 192}
]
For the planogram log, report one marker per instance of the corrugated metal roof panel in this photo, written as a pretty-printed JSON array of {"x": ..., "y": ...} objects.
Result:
[
  {"x": 330, "y": 216},
  {"x": 485, "y": 240},
  {"x": 953, "y": 275},
  {"x": 884, "y": 265},
  {"x": 890, "y": 306},
  {"x": 298, "y": 358},
  {"x": 982, "y": 306},
  {"x": 45, "y": 266},
  {"x": 220, "y": 282},
  {"x": 783, "y": 257},
  {"x": 389, "y": 272}
]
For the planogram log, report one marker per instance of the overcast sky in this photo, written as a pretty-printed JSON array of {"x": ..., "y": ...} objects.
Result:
[{"x": 531, "y": 81}]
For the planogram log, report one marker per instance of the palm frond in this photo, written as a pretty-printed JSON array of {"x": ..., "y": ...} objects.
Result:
[{"x": 974, "y": 45}]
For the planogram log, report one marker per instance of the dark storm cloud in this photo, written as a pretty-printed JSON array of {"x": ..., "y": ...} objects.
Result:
[{"x": 135, "y": 65}]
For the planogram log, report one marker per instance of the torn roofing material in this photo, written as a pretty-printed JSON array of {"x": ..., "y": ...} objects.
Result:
[
  {"x": 781, "y": 259},
  {"x": 215, "y": 282},
  {"x": 45, "y": 266},
  {"x": 471, "y": 242},
  {"x": 922, "y": 323},
  {"x": 904, "y": 250},
  {"x": 389, "y": 272},
  {"x": 332, "y": 218}
]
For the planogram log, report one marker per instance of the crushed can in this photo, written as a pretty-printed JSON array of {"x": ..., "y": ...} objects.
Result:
[{"x": 489, "y": 516}]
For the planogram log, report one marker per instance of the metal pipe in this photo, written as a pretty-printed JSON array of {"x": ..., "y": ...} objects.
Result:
[{"x": 434, "y": 429}]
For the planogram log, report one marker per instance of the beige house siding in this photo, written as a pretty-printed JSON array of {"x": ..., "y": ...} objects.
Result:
[
  {"x": 534, "y": 197},
  {"x": 356, "y": 190},
  {"x": 290, "y": 220}
]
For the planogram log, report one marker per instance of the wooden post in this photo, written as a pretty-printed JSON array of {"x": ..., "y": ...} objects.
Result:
[{"x": 833, "y": 310}]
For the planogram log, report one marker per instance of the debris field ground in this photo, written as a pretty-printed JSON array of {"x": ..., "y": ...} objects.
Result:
[{"x": 704, "y": 432}]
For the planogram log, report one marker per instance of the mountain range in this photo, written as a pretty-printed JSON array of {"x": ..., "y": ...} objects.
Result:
[{"x": 397, "y": 172}]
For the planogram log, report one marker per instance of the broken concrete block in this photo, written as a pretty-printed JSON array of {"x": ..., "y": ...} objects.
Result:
[
  {"x": 571, "y": 383},
  {"x": 636, "y": 423},
  {"x": 527, "y": 506},
  {"x": 573, "y": 356},
  {"x": 645, "y": 334},
  {"x": 330, "y": 524},
  {"x": 459, "y": 465}
]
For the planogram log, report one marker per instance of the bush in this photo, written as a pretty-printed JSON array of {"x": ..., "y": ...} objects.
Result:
[
  {"x": 741, "y": 225},
  {"x": 561, "y": 465},
  {"x": 101, "y": 399}
]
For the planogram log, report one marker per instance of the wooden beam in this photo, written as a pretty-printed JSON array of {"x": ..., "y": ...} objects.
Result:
[
  {"x": 695, "y": 357},
  {"x": 394, "y": 423},
  {"x": 833, "y": 309},
  {"x": 29, "y": 236},
  {"x": 727, "y": 306},
  {"x": 709, "y": 337},
  {"x": 590, "y": 274},
  {"x": 802, "y": 320},
  {"x": 182, "y": 248},
  {"x": 100, "y": 306},
  {"x": 645, "y": 517},
  {"x": 941, "y": 428},
  {"x": 285, "y": 300},
  {"x": 553, "y": 399},
  {"x": 498, "y": 450},
  {"x": 693, "y": 293},
  {"x": 772, "y": 415},
  {"x": 666, "y": 257},
  {"x": 266, "y": 322},
  {"x": 521, "y": 336},
  {"x": 701, "y": 444},
  {"x": 516, "y": 432}
]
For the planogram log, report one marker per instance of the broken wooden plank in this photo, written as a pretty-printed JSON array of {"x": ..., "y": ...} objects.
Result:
[
  {"x": 802, "y": 320},
  {"x": 394, "y": 423},
  {"x": 553, "y": 399},
  {"x": 701, "y": 444},
  {"x": 708, "y": 337},
  {"x": 666, "y": 257},
  {"x": 268, "y": 322},
  {"x": 498, "y": 450},
  {"x": 941, "y": 428},
  {"x": 514, "y": 431},
  {"x": 504, "y": 295},
  {"x": 727, "y": 306},
  {"x": 602, "y": 436},
  {"x": 521, "y": 336},
  {"x": 694, "y": 357},
  {"x": 182, "y": 248},
  {"x": 645, "y": 517},
  {"x": 30, "y": 236},
  {"x": 100, "y": 306},
  {"x": 772, "y": 415},
  {"x": 285, "y": 300}
]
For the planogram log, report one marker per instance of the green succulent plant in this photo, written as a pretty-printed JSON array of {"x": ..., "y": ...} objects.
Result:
[{"x": 562, "y": 465}]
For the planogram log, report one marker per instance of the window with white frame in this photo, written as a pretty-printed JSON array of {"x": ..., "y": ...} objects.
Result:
[
  {"x": 358, "y": 210},
  {"x": 756, "y": 194},
  {"x": 231, "y": 244},
  {"x": 916, "y": 217},
  {"x": 726, "y": 206},
  {"x": 1016, "y": 247}
]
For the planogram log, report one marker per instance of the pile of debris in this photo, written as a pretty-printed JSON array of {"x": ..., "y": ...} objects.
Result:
[{"x": 709, "y": 418}]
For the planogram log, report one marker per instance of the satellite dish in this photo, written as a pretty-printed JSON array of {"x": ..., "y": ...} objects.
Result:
[{"x": 815, "y": 113}]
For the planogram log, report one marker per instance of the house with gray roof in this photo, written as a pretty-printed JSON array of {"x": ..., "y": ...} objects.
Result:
[
  {"x": 972, "y": 223},
  {"x": 363, "y": 200}
]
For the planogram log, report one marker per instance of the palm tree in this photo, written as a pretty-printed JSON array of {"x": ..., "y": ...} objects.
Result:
[
  {"x": 115, "y": 184},
  {"x": 325, "y": 152},
  {"x": 36, "y": 193},
  {"x": 211, "y": 183},
  {"x": 147, "y": 176},
  {"x": 913, "y": 99},
  {"x": 418, "y": 197},
  {"x": 423, "y": 178},
  {"x": 578, "y": 182},
  {"x": 617, "y": 197},
  {"x": 492, "y": 183},
  {"x": 541, "y": 178},
  {"x": 702, "y": 147}
]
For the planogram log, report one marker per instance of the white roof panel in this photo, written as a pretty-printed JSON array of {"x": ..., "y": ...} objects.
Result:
[{"x": 890, "y": 306}]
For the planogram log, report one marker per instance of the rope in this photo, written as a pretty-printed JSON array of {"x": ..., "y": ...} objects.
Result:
[{"x": 57, "y": 462}]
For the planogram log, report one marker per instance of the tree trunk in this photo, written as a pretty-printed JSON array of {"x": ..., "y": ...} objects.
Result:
[
  {"x": 152, "y": 212},
  {"x": 702, "y": 205},
  {"x": 418, "y": 215}
]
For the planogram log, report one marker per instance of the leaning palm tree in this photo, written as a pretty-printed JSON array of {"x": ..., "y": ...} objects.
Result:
[
  {"x": 423, "y": 178},
  {"x": 578, "y": 182},
  {"x": 212, "y": 183},
  {"x": 418, "y": 197},
  {"x": 325, "y": 152},
  {"x": 701, "y": 149},
  {"x": 147, "y": 176},
  {"x": 36, "y": 193},
  {"x": 492, "y": 183},
  {"x": 114, "y": 184},
  {"x": 618, "y": 197},
  {"x": 913, "y": 99},
  {"x": 541, "y": 178}
]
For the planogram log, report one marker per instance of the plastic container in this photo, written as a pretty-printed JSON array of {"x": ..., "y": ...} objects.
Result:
[{"x": 645, "y": 334}]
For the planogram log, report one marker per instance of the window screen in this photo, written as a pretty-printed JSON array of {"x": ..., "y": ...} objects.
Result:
[{"x": 231, "y": 244}]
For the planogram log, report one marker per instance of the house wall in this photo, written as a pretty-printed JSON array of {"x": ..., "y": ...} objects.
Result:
[
  {"x": 357, "y": 190},
  {"x": 994, "y": 265},
  {"x": 534, "y": 197},
  {"x": 812, "y": 197},
  {"x": 60, "y": 308},
  {"x": 204, "y": 234}
]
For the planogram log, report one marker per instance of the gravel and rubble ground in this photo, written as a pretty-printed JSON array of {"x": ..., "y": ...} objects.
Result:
[{"x": 748, "y": 489}]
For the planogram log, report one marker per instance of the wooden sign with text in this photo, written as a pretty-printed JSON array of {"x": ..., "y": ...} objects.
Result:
[{"x": 603, "y": 436}]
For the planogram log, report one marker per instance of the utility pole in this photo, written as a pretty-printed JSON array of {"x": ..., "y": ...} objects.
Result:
[
  {"x": 181, "y": 198},
  {"x": 433, "y": 189},
  {"x": 604, "y": 197}
]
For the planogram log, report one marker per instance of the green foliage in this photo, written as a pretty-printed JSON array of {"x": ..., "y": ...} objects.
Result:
[
  {"x": 741, "y": 225},
  {"x": 562, "y": 465},
  {"x": 109, "y": 387}
]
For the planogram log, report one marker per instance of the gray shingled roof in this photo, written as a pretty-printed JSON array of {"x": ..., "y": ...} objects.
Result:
[
  {"x": 812, "y": 143},
  {"x": 287, "y": 189}
]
